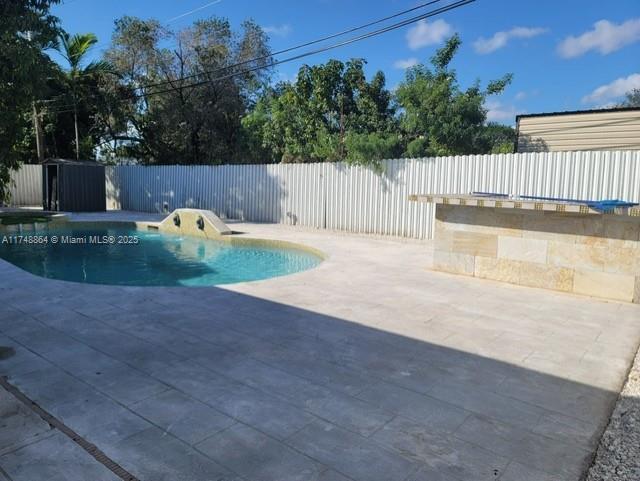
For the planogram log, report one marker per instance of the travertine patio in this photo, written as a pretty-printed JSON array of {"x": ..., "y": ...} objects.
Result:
[{"x": 367, "y": 368}]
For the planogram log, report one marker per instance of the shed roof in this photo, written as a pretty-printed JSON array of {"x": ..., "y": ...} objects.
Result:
[
  {"x": 90, "y": 163},
  {"x": 574, "y": 112}
]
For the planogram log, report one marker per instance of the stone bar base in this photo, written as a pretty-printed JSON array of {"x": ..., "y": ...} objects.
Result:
[{"x": 594, "y": 255}]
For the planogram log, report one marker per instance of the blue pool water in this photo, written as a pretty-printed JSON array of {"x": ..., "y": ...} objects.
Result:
[{"x": 155, "y": 260}]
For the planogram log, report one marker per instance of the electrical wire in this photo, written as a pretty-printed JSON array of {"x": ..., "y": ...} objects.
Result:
[
  {"x": 307, "y": 44},
  {"x": 171, "y": 20},
  {"x": 289, "y": 49},
  {"x": 395, "y": 26},
  {"x": 452, "y": 6}
]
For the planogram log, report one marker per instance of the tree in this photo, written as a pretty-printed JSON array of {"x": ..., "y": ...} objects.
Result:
[
  {"x": 75, "y": 49},
  {"x": 95, "y": 103},
  {"x": 26, "y": 28},
  {"x": 632, "y": 99},
  {"x": 438, "y": 118},
  {"x": 331, "y": 112},
  {"x": 187, "y": 101},
  {"x": 369, "y": 149},
  {"x": 495, "y": 138},
  {"x": 319, "y": 116}
]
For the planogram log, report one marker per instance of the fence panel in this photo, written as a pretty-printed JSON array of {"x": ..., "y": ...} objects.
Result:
[
  {"x": 26, "y": 186},
  {"x": 356, "y": 199}
]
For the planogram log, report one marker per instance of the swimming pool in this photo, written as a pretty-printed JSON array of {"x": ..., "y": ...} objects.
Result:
[{"x": 118, "y": 255}]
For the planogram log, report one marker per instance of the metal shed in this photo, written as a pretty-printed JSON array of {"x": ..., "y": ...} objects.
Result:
[{"x": 73, "y": 186}]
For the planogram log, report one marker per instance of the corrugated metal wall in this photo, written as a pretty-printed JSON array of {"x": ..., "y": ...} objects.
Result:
[
  {"x": 355, "y": 199},
  {"x": 617, "y": 129},
  {"x": 26, "y": 188}
]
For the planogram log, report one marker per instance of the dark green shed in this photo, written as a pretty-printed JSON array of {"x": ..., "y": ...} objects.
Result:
[{"x": 73, "y": 186}]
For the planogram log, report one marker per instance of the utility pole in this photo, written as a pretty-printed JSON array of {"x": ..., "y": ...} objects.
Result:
[{"x": 36, "y": 124}]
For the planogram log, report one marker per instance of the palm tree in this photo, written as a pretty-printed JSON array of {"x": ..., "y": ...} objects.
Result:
[{"x": 75, "y": 49}]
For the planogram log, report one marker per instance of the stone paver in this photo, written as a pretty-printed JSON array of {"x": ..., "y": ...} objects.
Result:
[
  {"x": 19, "y": 426},
  {"x": 360, "y": 459},
  {"x": 185, "y": 418},
  {"x": 55, "y": 458},
  {"x": 442, "y": 453},
  {"x": 257, "y": 456},
  {"x": 31, "y": 450},
  {"x": 367, "y": 367}
]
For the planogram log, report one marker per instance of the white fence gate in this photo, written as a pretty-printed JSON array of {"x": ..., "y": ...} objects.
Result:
[{"x": 356, "y": 199}]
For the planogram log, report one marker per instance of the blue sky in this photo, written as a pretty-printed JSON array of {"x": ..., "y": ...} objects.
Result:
[{"x": 564, "y": 54}]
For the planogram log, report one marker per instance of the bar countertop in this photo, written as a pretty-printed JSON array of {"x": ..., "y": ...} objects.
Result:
[{"x": 514, "y": 202}]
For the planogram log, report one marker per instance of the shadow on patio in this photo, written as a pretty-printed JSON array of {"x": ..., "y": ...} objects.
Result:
[{"x": 207, "y": 384}]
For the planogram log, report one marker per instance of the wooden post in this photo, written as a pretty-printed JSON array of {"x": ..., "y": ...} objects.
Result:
[{"x": 38, "y": 131}]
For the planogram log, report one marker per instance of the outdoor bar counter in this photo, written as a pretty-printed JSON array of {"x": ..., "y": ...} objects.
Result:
[{"x": 567, "y": 246}]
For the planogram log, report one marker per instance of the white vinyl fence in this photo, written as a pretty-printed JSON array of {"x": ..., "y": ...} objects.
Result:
[{"x": 356, "y": 199}]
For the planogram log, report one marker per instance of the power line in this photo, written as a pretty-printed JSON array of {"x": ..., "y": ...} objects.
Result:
[
  {"x": 290, "y": 49},
  {"x": 171, "y": 20},
  {"x": 302, "y": 45},
  {"x": 274, "y": 63},
  {"x": 374, "y": 33},
  {"x": 186, "y": 14},
  {"x": 283, "y": 51}
]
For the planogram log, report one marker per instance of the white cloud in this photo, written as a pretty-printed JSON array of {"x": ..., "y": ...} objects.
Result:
[
  {"x": 406, "y": 63},
  {"x": 613, "y": 90},
  {"x": 498, "y": 112},
  {"x": 608, "y": 105},
  {"x": 424, "y": 33},
  {"x": 278, "y": 30},
  {"x": 500, "y": 39},
  {"x": 606, "y": 37},
  {"x": 524, "y": 94}
]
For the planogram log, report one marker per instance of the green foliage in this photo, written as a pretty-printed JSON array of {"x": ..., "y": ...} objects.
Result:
[
  {"x": 328, "y": 147},
  {"x": 504, "y": 148},
  {"x": 140, "y": 101},
  {"x": 632, "y": 99},
  {"x": 80, "y": 82},
  {"x": 251, "y": 144},
  {"x": 331, "y": 112},
  {"x": 496, "y": 139},
  {"x": 310, "y": 120},
  {"x": 74, "y": 49},
  {"x": 369, "y": 149},
  {"x": 418, "y": 147},
  {"x": 26, "y": 28},
  {"x": 438, "y": 117}
]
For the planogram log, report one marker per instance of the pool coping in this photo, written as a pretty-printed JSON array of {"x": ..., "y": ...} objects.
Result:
[{"x": 229, "y": 238}]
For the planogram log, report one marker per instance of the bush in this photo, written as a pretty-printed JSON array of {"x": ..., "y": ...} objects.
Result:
[
  {"x": 417, "y": 148},
  {"x": 370, "y": 149}
]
